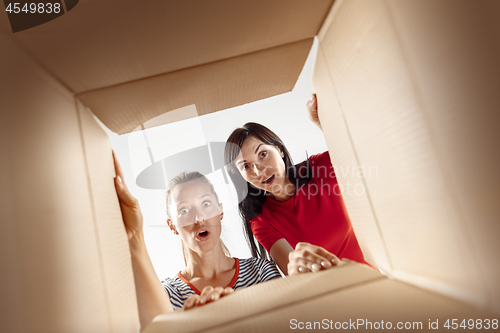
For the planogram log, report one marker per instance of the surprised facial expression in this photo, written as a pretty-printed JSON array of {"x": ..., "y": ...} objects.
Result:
[
  {"x": 262, "y": 165},
  {"x": 196, "y": 215}
]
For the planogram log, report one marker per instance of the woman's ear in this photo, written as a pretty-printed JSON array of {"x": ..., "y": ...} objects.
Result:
[
  {"x": 172, "y": 226},
  {"x": 282, "y": 154},
  {"x": 222, "y": 214}
]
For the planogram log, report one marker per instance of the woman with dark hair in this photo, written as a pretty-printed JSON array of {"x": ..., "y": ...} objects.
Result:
[{"x": 286, "y": 206}]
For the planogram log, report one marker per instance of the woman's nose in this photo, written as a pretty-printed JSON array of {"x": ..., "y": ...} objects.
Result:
[
  {"x": 256, "y": 169},
  {"x": 199, "y": 217}
]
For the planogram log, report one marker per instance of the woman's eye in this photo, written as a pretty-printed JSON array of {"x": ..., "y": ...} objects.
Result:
[
  {"x": 245, "y": 167},
  {"x": 263, "y": 153},
  {"x": 207, "y": 204},
  {"x": 183, "y": 211}
]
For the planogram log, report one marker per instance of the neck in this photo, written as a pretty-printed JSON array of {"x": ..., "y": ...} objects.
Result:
[
  {"x": 207, "y": 265},
  {"x": 288, "y": 191}
]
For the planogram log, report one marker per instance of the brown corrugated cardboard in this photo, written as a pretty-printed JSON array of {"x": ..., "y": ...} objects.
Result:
[
  {"x": 344, "y": 294},
  {"x": 410, "y": 88},
  {"x": 367, "y": 308},
  {"x": 13, "y": 302},
  {"x": 53, "y": 256},
  {"x": 170, "y": 54},
  {"x": 404, "y": 91},
  {"x": 344, "y": 159},
  {"x": 101, "y": 44},
  {"x": 56, "y": 270},
  {"x": 211, "y": 87},
  {"x": 457, "y": 86},
  {"x": 264, "y": 298},
  {"x": 254, "y": 50},
  {"x": 108, "y": 224}
]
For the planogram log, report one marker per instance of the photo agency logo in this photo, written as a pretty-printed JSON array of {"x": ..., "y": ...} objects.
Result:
[
  {"x": 28, "y": 14},
  {"x": 182, "y": 141},
  {"x": 175, "y": 142}
]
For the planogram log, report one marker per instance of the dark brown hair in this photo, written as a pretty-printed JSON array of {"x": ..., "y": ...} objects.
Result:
[{"x": 250, "y": 198}]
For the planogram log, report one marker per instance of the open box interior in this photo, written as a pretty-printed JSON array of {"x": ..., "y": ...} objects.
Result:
[{"x": 410, "y": 87}]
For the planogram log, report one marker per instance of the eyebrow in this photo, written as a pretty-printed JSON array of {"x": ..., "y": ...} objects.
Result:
[
  {"x": 258, "y": 148},
  {"x": 206, "y": 195},
  {"x": 254, "y": 153}
]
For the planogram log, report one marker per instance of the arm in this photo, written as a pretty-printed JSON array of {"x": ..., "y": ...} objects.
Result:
[
  {"x": 151, "y": 297},
  {"x": 305, "y": 258},
  {"x": 290, "y": 261},
  {"x": 312, "y": 108},
  {"x": 280, "y": 251}
]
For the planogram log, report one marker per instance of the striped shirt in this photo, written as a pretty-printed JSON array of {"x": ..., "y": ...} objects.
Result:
[{"x": 249, "y": 271}]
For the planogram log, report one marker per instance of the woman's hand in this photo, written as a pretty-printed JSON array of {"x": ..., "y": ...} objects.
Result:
[
  {"x": 310, "y": 258},
  {"x": 152, "y": 299},
  {"x": 131, "y": 212},
  {"x": 312, "y": 107},
  {"x": 209, "y": 294}
]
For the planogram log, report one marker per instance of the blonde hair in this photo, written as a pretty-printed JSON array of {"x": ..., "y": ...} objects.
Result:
[{"x": 182, "y": 178}]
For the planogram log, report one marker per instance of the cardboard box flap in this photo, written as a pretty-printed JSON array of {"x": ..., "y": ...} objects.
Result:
[
  {"x": 116, "y": 55},
  {"x": 351, "y": 293},
  {"x": 61, "y": 230},
  {"x": 117, "y": 274},
  {"x": 211, "y": 87},
  {"x": 418, "y": 104},
  {"x": 265, "y": 297},
  {"x": 100, "y": 44}
]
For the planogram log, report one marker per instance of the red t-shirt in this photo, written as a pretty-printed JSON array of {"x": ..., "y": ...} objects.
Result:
[{"x": 316, "y": 214}]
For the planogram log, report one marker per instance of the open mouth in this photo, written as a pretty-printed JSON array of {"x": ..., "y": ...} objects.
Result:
[
  {"x": 268, "y": 180},
  {"x": 203, "y": 234}
]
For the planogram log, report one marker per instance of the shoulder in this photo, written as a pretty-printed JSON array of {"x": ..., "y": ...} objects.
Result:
[
  {"x": 168, "y": 281},
  {"x": 316, "y": 166},
  {"x": 320, "y": 166},
  {"x": 262, "y": 225},
  {"x": 261, "y": 220},
  {"x": 177, "y": 291},
  {"x": 175, "y": 286},
  {"x": 262, "y": 267},
  {"x": 253, "y": 261},
  {"x": 320, "y": 159},
  {"x": 171, "y": 285}
]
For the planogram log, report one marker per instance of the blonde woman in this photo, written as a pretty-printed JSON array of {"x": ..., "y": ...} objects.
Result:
[{"x": 195, "y": 214}]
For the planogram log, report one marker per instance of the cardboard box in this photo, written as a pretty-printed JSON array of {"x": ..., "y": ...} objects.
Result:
[
  {"x": 409, "y": 87},
  {"x": 410, "y": 90},
  {"x": 352, "y": 296}
]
